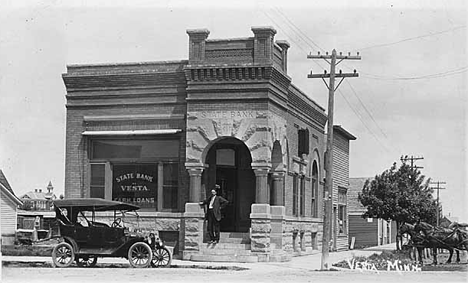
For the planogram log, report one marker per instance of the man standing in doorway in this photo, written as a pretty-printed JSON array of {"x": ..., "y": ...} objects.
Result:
[{"x": 213, "y": 214}]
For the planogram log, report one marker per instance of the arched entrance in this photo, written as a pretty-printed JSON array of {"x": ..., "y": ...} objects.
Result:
[{"x": 229, "y": 166}]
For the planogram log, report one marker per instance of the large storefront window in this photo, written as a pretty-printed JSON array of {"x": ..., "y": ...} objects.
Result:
[
  {"x": 170, "y": 184},
  {"x": 143, "y": 172},
  {"x": 135, "y": 184},
  {"x": 97, "y": 180}
]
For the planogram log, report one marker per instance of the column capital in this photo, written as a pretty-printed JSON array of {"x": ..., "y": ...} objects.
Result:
[
  {"x": 278, "y": 175},
  {"x": 261, "y": 171},
  {"x": 195, "y": 171}
]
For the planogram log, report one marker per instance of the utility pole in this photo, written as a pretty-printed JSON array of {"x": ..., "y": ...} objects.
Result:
[
  {"x": 332, "y": 60},
  {"x": 438, "y": 188},
  {"x": 412, "y": 159}
]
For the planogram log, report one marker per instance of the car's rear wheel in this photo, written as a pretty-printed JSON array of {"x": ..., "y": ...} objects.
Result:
[
  {"x": 63, "y": 255},
  {"x": 86, "y": 261},
  {"x": 161, "y": 257},
  {"x": 140, "y": 255}
]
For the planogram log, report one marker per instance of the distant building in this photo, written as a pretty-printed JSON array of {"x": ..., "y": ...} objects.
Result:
[
  {"x": 8, "y": 208},
  {"x": 366, "y": 231},
  {"x": 39, "y": 200},
  {"x": 340, "y": 219}
]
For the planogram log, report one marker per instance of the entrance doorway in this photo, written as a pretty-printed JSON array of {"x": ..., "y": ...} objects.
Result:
[{"x": 229, "y": 166}]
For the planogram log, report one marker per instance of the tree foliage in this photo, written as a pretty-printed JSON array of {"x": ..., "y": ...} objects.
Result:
[{"x": 399, "y": 194}]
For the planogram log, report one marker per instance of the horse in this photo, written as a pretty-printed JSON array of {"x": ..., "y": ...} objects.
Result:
[
  {"x": 416, "y": 239},
  {"x": 442, "y": 238}
]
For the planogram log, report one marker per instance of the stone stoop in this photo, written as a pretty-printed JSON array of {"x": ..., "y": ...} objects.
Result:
[
  {"x": 232, "y": 247},
  {"x": 278, "y": 255}
]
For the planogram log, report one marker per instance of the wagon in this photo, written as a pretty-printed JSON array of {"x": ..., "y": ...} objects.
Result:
[{"x": 91, "y": 228}]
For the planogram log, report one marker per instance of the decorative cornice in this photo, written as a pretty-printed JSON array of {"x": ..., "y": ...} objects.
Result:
[
  {"x": 209, "y": 73},
  {"x": 125, "y": 80}
]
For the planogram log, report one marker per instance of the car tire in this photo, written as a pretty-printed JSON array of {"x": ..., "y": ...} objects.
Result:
[
  {"x": 63, "y": 255},
  {"x": 161, "y": 257},
  {"x": 140, "y": 255},
  {"x": 86, "y": 261}
]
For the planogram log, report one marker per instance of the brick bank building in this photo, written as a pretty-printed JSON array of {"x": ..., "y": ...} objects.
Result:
[{"x": 161, "y": 134}]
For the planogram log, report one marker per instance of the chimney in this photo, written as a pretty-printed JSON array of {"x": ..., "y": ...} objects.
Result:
[
  {"x": 197, "y": 40},
  {"x": 40, "y": 190},
  {"x": 284, "y": 53},
  {"x": 263, "y": 44},
  {"x": 35, "y": 190}
]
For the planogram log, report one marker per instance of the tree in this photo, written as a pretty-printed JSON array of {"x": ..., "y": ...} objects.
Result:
[{"x": 402, "y": 195}]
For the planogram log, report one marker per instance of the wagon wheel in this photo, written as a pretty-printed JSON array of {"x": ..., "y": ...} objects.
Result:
[
  {"x": 161, "y": 257},
  {"x": 140, "y": 255},
  {"x": 63, "y": 255},
  {"x": 86, "y": 261}
]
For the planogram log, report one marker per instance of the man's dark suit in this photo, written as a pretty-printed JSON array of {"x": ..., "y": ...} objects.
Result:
[{"x": 214, "y": 215}]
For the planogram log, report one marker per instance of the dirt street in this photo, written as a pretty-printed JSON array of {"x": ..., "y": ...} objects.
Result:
[{"x": 258, "y": 273}]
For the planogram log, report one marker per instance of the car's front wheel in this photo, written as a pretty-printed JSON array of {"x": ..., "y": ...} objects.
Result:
[
  {"x": 63, "y": 255},
  {"x": 161, "y": 257},
  {"x": 140, "y": 255}
]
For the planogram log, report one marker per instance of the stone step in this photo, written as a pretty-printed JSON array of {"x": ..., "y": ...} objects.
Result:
[
  {"x": 221, "y": 245},
  {"x": 224, "y": 258},
  {"x": 225, "y": 252},
  {"x": 281, "y": 257},
  {"x": 234, "y": 237},
  {"x": 224, "y": 235}
]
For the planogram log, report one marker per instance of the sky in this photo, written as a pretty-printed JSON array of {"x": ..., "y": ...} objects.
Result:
[{"x": 409, "y": 98}]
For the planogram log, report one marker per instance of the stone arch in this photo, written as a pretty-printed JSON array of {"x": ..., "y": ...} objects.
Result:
[{"x": 315, "y": 157}]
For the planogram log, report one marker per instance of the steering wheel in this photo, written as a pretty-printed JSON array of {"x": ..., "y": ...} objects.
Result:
[{"x": 116, "y": 222}]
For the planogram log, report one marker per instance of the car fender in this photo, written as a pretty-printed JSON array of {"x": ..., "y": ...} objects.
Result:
[{"x": 71, "y": 242}]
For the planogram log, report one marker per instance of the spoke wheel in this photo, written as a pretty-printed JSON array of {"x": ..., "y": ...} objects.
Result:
[
  {"x": 140, "y": 255},
  {"x": 63, "y": 255},
  {"x": 86, "y": 261},
  {"x": 161, "y": 257}
]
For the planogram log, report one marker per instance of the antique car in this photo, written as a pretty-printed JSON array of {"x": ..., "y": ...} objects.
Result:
[{"x": 89, "y": 228}]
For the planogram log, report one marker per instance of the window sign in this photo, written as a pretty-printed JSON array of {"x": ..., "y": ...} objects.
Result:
[{"x": 135, "y": 184}]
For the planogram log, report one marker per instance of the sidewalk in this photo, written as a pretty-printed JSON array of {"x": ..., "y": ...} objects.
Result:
[{"x": 307, "y": 262}]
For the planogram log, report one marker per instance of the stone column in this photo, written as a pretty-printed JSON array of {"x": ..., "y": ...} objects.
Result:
[
  {"x": 192, "y": 229},
  {"x": 278, "y": 188},
  {"x": 195, "y": 183},
  {"x": 278, "y": 214},
  {"x": 260, "y": 231},
  {"x": 262, "y": 194}
]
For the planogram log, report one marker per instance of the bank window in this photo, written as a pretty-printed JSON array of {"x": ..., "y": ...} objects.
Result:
[
  {"x": 303, "y": 142},
  {"x": 342, "y": 217},
  {"x": 170, "y": 185},
  {"x": 314, "y": 188},
  {"x": 143, "y": 172},
  {"x": 302, "y": 196},
  {"x": 97, "y": 182},
  {"x": 295, "y": 195}
]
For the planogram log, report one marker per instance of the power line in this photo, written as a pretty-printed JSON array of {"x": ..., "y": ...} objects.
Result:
[
  {"x": 365, "y": 108},
  {"x": 412, "y": 38},
  {"x": 346, "y": 100},
  {"x": 364, "y": 124},
  {"x": 438, "y": 188},
  {"x": 290, "y": 38},
  {"x": 298, "y": 29},
  {"x": 430, "y": 76},
  {"x": 332, "y": 60}
]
